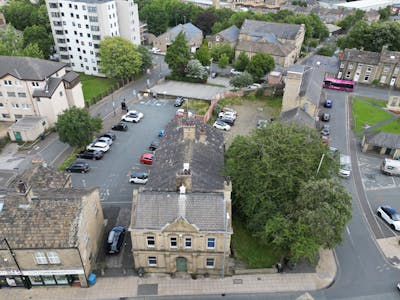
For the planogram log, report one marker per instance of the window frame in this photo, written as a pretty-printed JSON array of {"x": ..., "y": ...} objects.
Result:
[
  {"x": 152, "y": 261},
  {"x": 210, "y": 259},
  {"x": 173, "y": 239},
  {"x": 41, "y": 258},
  {"x": 150, "y": 238},
  {"x": 213, "y": 241},
  {"x": 53, "y": 258},
  {"x": 186, "y": 242}
]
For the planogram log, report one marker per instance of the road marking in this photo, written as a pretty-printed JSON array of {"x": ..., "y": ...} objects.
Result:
[{"x": 52, "y": 162}]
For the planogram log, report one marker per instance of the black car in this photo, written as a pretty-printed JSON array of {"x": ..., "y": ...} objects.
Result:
[
  {"x": 154, "y": 145},
  {"x": 120, "y": 127},
  {"x": 90, "y": 154},
  {"x": 109, "y": 134},
  {"x": 78, "y": 167},
  {"x": 227, "y": 120},
  {"x": 179, "y": 101},
  {"x": 115, "y": 240}
]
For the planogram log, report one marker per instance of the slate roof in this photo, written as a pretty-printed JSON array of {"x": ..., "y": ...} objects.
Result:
[
  {"x": 383, "y": 139},
  {"x": 190, "y": 31},
  {"x": 297, "y": 116},
  {"x": 391, "y": 57},
  {"x": 48, "y": 91},
  {"x": 49, "y": 221},
  {"x": 70, "y": 76},
  {"x": 276, "y": 49},
  {"x": 204, "y": 210},
  {"x": 361, "y": 56},
  {"x": 27, "y": 122},
  {"x": 311, "y": 84},
  {"x": 260, "y": 28},
  {"x": 206, "y": 159},
  {"x": 28, "y": 68},
  {"x": 230, "y": 34}
]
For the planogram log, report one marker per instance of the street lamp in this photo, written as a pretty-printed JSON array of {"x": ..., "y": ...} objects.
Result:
[
  {"x": 211, "y": 60},
  {"x": 226, "y": 222},
  {"x": 320, "y": 162}
]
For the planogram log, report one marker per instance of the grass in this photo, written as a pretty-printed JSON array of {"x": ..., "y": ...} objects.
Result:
[
  {"x": 93, "y": 86},
  {"x": 391, "y": 127},
  {"x": 249, "y": 249},
  {"x": 365, "y": 112},
  {"x": 216, "y": 84},
  {"x": 68, "y": 160},
  {"x": 200, "y": 107},
  {"x": 374, "y": 102}
]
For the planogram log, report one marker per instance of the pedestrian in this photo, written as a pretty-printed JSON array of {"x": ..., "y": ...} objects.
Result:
[{"x": 279, "y": 267}]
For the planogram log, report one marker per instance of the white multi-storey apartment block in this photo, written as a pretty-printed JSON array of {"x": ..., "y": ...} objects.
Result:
[{"x": 78, "y": 26}]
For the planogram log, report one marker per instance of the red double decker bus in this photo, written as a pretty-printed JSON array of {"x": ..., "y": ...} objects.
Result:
[{"x": 339, "y": 84}]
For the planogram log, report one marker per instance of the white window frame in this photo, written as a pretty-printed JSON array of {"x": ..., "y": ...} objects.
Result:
[
  {"x": 152, "y": 261},
  {"x": 151, "y": 238},
  {"x": 213, "y": 240},
  {"x": 41, "y": 258},
  {"x": 53, "y": 258},
  {"x": 171, "y": 240},
  {"x": 188, "y": 239},
  {"x": 209, "y": 266},
  {"x": 7, "y": 82}
]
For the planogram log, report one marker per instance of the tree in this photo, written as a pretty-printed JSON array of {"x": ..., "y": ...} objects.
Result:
[
  {"x": 218, "y": 50},
  {"x": 223, "y": 61},
  {"x": 155, "y": 16},
  {"x": 196, "y": 70},
  {"x": 384, "y": 13},
  {"x": 242, "y": 80},
  {"x": 147, "y": 59},
  {"x": 203, "y": 54},
  {"x": 283, "y": 161},
  {"x": 205, "y": 21},
  {"x": 11, "y": 42},
  {"x": 178, "y": 55},
  {"x": 19, "y": 13},
  {"x": 39, "y": 35},
  {"x": 242, "y": 61},
  {"x": 260, "y": 64},
  {"x": 76, "y": 127},
  {"x": 119, "y": 58},
  {"x": 32, "y": 50},
  {"x": 350, "y": 20}
]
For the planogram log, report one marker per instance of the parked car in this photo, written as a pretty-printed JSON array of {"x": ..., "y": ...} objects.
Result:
[
  {"x": 139, "y": 177},
  {"x": 227, "y": 114},
  {"x": 328, "y": 103},
  {"x": 325, "y": 130},
  {"x": 325, "y": 117},
  {"x": 154, "y": 145},
  {"x": 161, "y": 133},
  {"x": 179, "y": 101},
  {"x": 90, "y": 154},
  {"x": 390, "y": 216},
  {"x": 214, "y": 75},
  {"x": 221, "y": 125},
  {"x": 104, "y": 147},
  {"x": 104, "y": 139},
  {"x": 344, "y": 166},
  {"x": 398, "y": 285},
  {"x": 120, "y": 127},
  {"x": 147, "y": 158},
  {"x": 254, "y": 86},
  {"x": 115, "y": 240},
  {"x": 78, "y": 167},
  {"x": 227, "y": 120},
  {"x": 132, "y": 116},
  {"x": 180, "y": 112},
  {"x": 228, "y": 109},
  {"x": 235, "y": 72},
  {"x": 155, "y": 50},
  {"x": 110, "y": 135},
  {"x": 325, "y": 140},
  {"x": 262, "y": 123}
]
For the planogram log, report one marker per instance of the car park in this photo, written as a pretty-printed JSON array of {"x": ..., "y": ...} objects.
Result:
[
  {"x": 110, "y": 135},
  {"x": 132, "y": 116},
  {"x": 104, "y": 147},
  {"x": 115, "y": 240},
  {"x": 78, "y": 167},
  {"x": 227, "y": 114},
  {"x": 147, "y": 158},
  {"x": 90, "y": 154},
  {"x": 104, "y": 139},
  {"x": 325, "y": 117},
  {"x": 154, "y": 145},
  {"x": 120, "y": 127},
  {"x": 390, "y": 216},
  {"x": 227, "y": 120},
  {"x": 228, "y": 109},
  {"x": 328, "y": 103},
  {"x": 139, "y": 177},
  {"x": 325, "y": 130},
  {"x": 221, "y": 125},
  {"x": 179, "y": 101}
]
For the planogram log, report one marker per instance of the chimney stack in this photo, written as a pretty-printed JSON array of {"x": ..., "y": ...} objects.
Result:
[
  {"x": 203, "y": 135},
  {"x": 189, "y": 130},
  {"x": 184, "y": 178}
]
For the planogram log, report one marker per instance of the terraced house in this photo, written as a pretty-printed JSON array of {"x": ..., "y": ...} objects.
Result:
[{"x": 181, "y": 220}]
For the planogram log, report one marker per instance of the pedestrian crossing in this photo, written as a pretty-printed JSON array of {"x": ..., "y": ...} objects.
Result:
[{"x": 155, "y": 102}]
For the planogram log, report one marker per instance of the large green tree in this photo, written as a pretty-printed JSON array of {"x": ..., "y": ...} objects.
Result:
[
  {"x": 260, "y": 64},
  {"x": 242, "y": 80},
  {"x": 283, "y": 163},
  {"x": 11, "y": 41},
  {"x": 76, "y": 127},
  {"x": 38, "y": 34},
  {"x": 205, "y": 21},
  {"x": 203, "y": 54},
  {"x": 195, "y": 69},
  {"x": 178, "y": 55},
  {"x": 350, "y": 20},
  {"x": 242, "y": 61},
  {"x": 119, "y": 58},
  {"x": 32, "y": 50},
  {"x": 155, "y": 16},
  {"x": 218, "y": 50},
  {"x": 147, "y": 59}
]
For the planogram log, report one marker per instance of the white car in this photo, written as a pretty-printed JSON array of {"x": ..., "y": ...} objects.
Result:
[
  {"x": 390, "y": 216},
  {"x": 155, "y": 50},
  {"x": 104, "y": 147},
  {"x": 221, "y": 125},
  {"x": 132, "y": 116},
  {"x": 138, "y": 177},
  {"x": 254, "y": 86},
  {"x": 227, "y": 114},
  {"x": 228, "y": 109},
  {"x": 181, "y": 111},
  {"x": 344, "y": 166},
  {"x": 235, "y": 72},
  {"x": 104, "y": 139}
]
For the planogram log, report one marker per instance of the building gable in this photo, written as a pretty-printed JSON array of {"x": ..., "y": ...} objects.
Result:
[{"x": 181, "y": 224}]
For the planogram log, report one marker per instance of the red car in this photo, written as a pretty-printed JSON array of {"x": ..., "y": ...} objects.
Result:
[{"x": 147, "y": 159}]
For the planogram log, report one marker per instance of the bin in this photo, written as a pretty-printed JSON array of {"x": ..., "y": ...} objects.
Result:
[{"x": 92, "y": 279}]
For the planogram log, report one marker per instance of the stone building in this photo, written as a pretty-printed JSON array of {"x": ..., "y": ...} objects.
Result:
[
  {"x": 229, "y": 35},
  {"x": 181, "y": 220}
]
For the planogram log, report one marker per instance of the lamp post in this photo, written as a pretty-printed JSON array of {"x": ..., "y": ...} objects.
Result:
[
  {"x": 211, "y": 60},
  {"x": 226, "y": 222},
  {"x": 320, "y": 162}
]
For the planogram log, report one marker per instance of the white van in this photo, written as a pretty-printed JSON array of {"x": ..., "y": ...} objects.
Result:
[
  {"x": 390, "y": 167},
  {"x": 345, "y": 166}
]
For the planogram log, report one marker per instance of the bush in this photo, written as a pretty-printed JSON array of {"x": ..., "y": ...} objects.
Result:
[{"x": 186, "y": 79}]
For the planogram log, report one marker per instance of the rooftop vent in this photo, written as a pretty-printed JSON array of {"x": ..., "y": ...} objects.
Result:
[
  {"x": 182, "y": 189},
  {"x": 21, "y": 187}
]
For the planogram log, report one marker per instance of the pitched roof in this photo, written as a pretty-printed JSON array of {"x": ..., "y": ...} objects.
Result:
[
  {"x": 275, "y": 49},
  {"x": 49, "y": 89},
  {"x": 391, "y": 57},
  {"x": 206, "y": 159},
  {"x": 230, "y": 34},
  {"x": 70, "y": 76},
  {"x": 361, "y": 56},
  {"x": 260, "y": 28},
  {"x": 28, "y": 68},
  {"x": 383, "y": 139},
  {"x": 297, "y": 116},
  {"x": 311, "y": 84},
  {"x": 190, "y": 31},
  {"x": 50, "y": 220},
  {"x": 204, "y": 210}
]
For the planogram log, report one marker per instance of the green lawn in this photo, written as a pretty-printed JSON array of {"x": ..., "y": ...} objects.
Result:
[
  {"x": 391, "y": 127},
  {"x": 247, "y": 248},
  {"x": 374, "y": 102},
  {"x": 366, "y": 112},
  {"x": 93, "y": 86}
]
